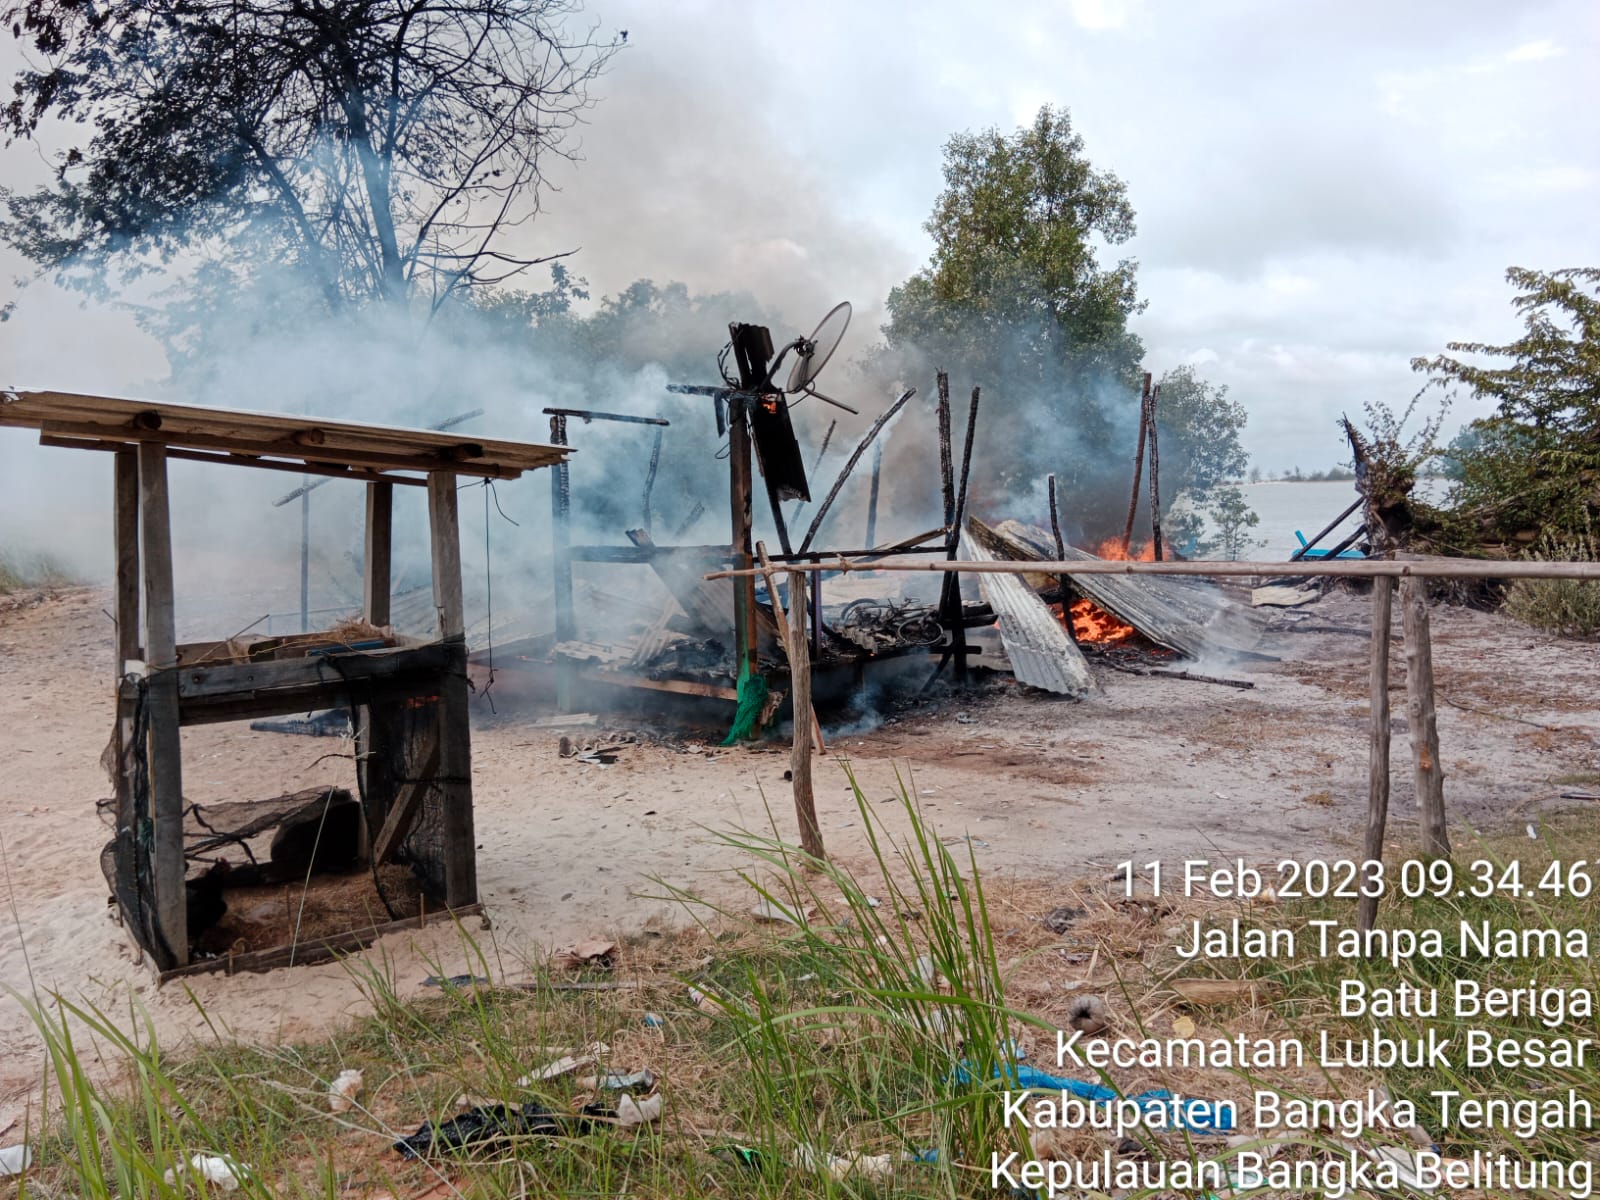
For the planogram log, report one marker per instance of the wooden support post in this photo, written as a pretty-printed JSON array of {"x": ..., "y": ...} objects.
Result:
[
  {"x": 561, "y": 562},
  {"x": 805, "y": 804},
  {"x": 455, "y": 741},
  {"x": 739, "y": 505},
  {"x": 1378, "y": 761},
  {"x": 127, "y": 548},
  {"x": 305, "y": 554},
  {"x": 1155, "y": 478},
  {"x": 126, "y": 525},
  {"x": 377, "y": 559},
  {"x": 375, "y": 725},
  {"x": 1426, "y": 768},
  {"x": 1138, "y": 467},
  {"x": 796, "y": 605},
  {"x": 164, "y": 750}
]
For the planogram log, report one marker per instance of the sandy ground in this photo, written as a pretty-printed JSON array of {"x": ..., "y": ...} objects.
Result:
[{"x": 1042, "y": 788}]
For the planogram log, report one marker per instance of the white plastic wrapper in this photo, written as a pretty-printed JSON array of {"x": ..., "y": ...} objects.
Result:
[
  {"x": 342, "y": 1091},
  {"x": 217, "y": 1171}
]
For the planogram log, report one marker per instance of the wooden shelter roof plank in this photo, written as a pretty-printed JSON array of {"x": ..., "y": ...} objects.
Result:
[{"x": 301, "y": 439}]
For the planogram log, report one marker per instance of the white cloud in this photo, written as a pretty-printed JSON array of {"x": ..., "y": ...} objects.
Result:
[{"x": 1535, "y": 51}]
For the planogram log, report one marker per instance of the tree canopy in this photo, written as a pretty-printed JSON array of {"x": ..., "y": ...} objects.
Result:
[
  {"x": 1015, "y": 298},
  {"x": 1015, "y": 283},
  {"x": 371, "y": 149},
  {"x": 1531, "y": 469}
]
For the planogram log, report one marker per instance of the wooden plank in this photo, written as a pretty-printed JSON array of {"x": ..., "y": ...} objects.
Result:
[
  {"x": 1378, "y": 752},
  {"x": 377, "y": 560},
  {"x": 315, "y": 950},
  {"x": 164, "y": 749},
  {"x": 222, "y": 459},
  {"x": 358, "y": 667},
  {"x": 1416, "y": 568},
  {"x": 1427, "y": 771},
  {"x": 383, "y": 458},
  {"x": 681, "y": 687},
  {"x": 403, "y": 811},
  {"x": 247, "y": 430}
]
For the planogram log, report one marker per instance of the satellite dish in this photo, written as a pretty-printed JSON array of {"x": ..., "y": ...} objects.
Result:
[{"x": 815, "y": 351}]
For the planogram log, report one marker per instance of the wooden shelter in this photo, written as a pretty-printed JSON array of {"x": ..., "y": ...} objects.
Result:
[{"x": 408, "y": 696}]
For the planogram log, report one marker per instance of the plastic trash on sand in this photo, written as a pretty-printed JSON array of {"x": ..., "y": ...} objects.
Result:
[
  {"x": 343, "y": 1090},
  {"x": 14, "y": 1160},
  {"x": 643, "y": 1111},
  {"x": 491, "y": 1123},
  {"x": 216, "y": 1170}
]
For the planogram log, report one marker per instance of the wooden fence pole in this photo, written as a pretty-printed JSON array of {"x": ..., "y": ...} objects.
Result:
[
  {"x": 1378, "y": 764},
  {"x": 805, "y": 803},
  {"x": 1423, "y": 721}
]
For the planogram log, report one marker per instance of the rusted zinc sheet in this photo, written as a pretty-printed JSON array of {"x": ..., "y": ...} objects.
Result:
[
  {"x": 1191, "y": 616},
  {"x": 1041, "y": 653}
]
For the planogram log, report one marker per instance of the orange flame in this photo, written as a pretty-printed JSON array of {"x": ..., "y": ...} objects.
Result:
[
  {"x": 1140, "y": 552},
  {"x": 1095, "y": 625}
]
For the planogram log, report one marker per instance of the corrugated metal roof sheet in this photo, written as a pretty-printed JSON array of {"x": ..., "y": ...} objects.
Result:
[{"x": 1041, "y": 653}]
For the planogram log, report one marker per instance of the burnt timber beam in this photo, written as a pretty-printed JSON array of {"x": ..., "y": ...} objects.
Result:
[{"x": 586, "y": 415}]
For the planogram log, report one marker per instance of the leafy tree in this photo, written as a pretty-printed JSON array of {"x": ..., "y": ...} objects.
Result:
[
  {"x": 1533, "y": 468},
  {"x": 1233, "y": 519},
  {"x": 1015, "y": 298},
  {"x": 1015, "y": 282},
  {"x": 366, "y": 149}
]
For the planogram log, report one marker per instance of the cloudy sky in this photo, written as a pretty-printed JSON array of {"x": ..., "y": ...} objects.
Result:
[{"x": 1323, "y": 189}]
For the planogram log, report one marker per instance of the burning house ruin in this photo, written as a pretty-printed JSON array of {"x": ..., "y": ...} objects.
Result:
[{"x": 710, "y": 638}]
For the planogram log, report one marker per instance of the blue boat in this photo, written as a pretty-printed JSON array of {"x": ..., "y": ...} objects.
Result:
[{"x": 1309, "y": 554}]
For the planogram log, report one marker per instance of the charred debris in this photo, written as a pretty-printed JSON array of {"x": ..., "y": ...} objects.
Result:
[{"x": 721, "y": 641}]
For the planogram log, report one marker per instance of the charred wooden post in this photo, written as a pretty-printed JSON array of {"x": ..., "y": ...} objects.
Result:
[
  {"x": 164, "y": 752},
  {"x": 872, "y": 496},
  {"x": 1378, "y": 754},
  {"x": 950, "y": 598},
  {"x": 1427, "y": 771},
  {"x": 739, "y": 507},
  {"x": 1061, "y": 553},
  {"x": 561, "y": 560},
  {"x": 650, "y": 480},
  {"x": 455, "y": 740},
  {"x": 1138, "y": 467},
  {"x": 1155, "y": 477}
]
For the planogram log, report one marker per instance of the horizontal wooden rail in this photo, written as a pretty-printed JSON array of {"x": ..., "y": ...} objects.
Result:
[{"x": 1432, "y": 568}]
